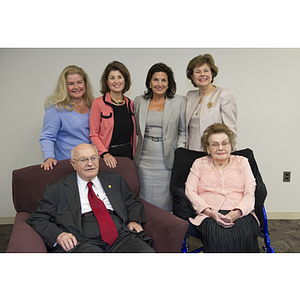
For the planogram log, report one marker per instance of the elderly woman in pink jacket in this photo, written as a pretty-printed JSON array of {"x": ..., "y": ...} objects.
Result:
[
  {"x": 112, "y": 123},
  {"x": 221, "y": 189}
]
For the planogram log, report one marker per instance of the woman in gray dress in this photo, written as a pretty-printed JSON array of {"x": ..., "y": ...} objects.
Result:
[{"x": 160, "y": 119}]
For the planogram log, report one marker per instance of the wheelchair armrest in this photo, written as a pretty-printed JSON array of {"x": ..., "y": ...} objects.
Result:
[{"x": 182, "y": 206}]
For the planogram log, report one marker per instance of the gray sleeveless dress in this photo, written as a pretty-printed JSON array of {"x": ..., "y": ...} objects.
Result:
[{"x": 152, "y": 170}]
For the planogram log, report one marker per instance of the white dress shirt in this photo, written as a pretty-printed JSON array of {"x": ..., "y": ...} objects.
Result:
[{"x": 83, "y": 194}]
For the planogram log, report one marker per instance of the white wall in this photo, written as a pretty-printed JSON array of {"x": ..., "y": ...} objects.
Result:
[{"x": 265, "y": 81}]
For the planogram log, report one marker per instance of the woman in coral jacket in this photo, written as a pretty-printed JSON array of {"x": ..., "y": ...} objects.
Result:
[{"x": 112, "y": 124}]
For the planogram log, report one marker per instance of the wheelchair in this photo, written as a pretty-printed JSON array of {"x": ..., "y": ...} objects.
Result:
[{"x": 183, "y": 208}]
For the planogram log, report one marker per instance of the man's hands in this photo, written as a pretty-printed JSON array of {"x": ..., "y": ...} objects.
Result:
[
  {"x": 135, "y": 226},
  {"x": 67, "y": 241},
  {"x": 225, "y": 221}
]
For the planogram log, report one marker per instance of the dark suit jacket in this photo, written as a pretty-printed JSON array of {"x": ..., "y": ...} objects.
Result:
[{"x": 60, "y": 209}]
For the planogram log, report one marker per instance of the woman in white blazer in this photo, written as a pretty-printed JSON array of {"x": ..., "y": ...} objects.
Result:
[
  {"x": 160, "y": 121},
  {"x": 209, "y": 104}
]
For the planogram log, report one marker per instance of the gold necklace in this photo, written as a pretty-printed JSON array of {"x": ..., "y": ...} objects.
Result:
[{"x": 118, "y": 103}]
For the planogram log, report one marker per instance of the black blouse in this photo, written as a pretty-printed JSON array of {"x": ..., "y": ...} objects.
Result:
[{"x": 122, "y": 132}]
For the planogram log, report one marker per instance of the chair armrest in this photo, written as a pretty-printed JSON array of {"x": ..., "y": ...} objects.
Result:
[
  {"x": 166, "y": 230},
  {"x": 23, "y": 238}
]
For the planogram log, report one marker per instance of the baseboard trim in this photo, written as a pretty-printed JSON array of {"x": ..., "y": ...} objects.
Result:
[
  {"x": 7, "y": 220},
  {"x": 288, "y": 215}
]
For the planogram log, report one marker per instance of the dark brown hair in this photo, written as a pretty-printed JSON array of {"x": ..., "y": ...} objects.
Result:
[
  {"x": 115, "y": 66},
  {"x": 160, "y": 67}
]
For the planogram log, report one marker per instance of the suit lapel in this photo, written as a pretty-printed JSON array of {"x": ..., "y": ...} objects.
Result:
[
  {"x": 168, "y": 108},
  {"x": 70, "y": 190},
  {"x": 143, "y": 110},
  {"x": 193, "y": 102},
  {"x": 109, "y": 187},
  {"x": 144, "y": 106}
]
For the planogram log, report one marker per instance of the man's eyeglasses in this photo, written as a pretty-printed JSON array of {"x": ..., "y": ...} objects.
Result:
[
  {"x": 216, "y": 145},
  {"x": 84, "y": 160}
]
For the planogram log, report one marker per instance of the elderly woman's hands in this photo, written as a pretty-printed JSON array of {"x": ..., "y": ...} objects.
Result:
[
  {"x": 233, "y": 215},
  {"x": 225, "y": 221},
  {"x": 221, "y": 219}
]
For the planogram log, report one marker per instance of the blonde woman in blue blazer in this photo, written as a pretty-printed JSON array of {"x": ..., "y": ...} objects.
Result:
[{"x": 160, "y": 120}]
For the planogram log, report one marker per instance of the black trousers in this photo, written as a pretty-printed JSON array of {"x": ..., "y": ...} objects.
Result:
[{"x": 127, "y": 241}]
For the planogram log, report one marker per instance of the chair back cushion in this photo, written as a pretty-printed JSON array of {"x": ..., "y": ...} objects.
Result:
[
  {"x": 184, "y": 158},
  {"x": 29, "y": 183}
]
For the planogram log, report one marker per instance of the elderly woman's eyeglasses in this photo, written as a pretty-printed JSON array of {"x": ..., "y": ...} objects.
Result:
[
  {"x": 84, "y": 160},
  {"x": 216, "y": 145}
]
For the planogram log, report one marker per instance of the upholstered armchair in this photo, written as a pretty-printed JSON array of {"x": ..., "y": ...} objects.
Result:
[{"x": 28, "y": 186}]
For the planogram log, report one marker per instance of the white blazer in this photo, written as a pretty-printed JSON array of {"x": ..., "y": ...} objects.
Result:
[
  {"x": 218, "y": 107},
  {"x": 174, "y": 134}
]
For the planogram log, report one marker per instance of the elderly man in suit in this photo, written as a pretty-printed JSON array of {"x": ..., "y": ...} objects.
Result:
[{"x": 68, "y": 218}]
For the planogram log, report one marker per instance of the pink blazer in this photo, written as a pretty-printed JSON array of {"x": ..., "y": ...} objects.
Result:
[
  {"x": 227, "y": 189},
  {"x": 101, "y": 123}
]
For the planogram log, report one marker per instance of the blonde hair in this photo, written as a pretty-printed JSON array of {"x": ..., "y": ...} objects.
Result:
[{"x": 61, "y": 99}]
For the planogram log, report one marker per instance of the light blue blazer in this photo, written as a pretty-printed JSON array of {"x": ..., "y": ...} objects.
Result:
[{"x": 174, "y": 129}]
